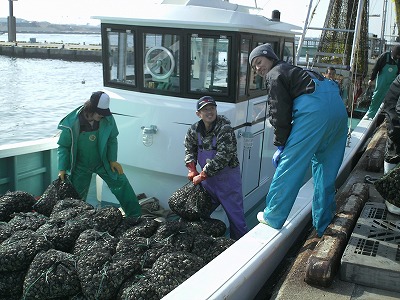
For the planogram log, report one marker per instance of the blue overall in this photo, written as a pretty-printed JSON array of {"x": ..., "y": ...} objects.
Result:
[
  {"x": 319, "y": 132},
  {"x": 383, "y": 81},
  {"x": 225, "y": 188}
]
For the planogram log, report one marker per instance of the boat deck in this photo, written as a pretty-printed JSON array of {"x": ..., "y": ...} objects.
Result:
[{"x": 351, "y": 261}]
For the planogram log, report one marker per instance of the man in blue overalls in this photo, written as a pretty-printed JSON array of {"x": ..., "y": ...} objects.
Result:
[
  {"x": 211, "y": 142},
  {"x": 88, "y": 144},
  {"x": 385, "y": 70},
  {"x": 310, "y": 125}
]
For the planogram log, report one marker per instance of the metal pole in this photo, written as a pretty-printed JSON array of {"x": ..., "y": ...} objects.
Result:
[
  {"x": 356, "y": 37},
  {"x": 383, "y": 26},
  {"x": 12, "y": 24},
  {"x": 301, "y": 41}
]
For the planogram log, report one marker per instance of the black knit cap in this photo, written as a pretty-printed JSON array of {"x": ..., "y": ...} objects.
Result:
[{"x": 262, "y": 50}]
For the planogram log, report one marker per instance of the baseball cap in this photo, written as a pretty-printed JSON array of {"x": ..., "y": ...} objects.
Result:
[
  {"x": 205, "y": 100},
  {"x": 101, "y": 102}
]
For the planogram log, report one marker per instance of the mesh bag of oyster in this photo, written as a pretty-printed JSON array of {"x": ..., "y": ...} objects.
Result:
[
  {"x": 191, "y": 202},
  {"x": 56, "y": 191},
  {"x": 389, "y": 186}
]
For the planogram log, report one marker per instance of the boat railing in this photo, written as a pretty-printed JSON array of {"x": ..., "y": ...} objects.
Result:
[{"x": 28, "y": 166}]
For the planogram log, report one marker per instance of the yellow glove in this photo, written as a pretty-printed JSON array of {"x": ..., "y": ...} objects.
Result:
[
  {"x": 115, "y": 166},
  {"x": 61, "y": 174}
]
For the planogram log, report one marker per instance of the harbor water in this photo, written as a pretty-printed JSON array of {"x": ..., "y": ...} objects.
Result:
[{"x": 35, "y": 94}]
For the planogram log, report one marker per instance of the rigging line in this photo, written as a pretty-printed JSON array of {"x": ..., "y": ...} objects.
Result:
[
  {"x": 312, "y": 15},
  {"x": 354, "y": 84},
  {"x": 265, "y": 3},
  {"x": 313, "y": 12}
]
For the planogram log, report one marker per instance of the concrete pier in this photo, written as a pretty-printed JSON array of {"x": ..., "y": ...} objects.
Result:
[{"x": 64, "y": 51}]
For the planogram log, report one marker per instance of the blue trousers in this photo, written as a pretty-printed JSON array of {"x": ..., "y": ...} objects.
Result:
[{"x": 318, "y": 136}]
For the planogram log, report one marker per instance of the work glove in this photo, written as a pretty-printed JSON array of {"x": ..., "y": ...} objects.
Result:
[
  {"x": 115, "y": 166},
  {"x": 199, "y": 178},
  {"x": 192, "y": 170},
  {"x": 277, "y": 156},
  {"x": 61, "y": 174}
]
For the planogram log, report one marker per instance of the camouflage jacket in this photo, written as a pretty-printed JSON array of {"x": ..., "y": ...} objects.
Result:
[{"x": 225, "y": 143}]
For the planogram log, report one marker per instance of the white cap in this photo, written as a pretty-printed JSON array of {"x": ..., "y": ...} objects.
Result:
[{"x": 102, "y": 103}]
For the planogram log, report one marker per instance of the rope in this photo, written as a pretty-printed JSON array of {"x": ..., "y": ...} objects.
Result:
[
  {"x": 44, "y": 274},
  {"x": 103, "y": 272}
]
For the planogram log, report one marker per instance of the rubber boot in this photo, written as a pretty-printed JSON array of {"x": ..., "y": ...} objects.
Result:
[
  {"x": 387, "y": 167},
  {"x": 391, "y": 208}
]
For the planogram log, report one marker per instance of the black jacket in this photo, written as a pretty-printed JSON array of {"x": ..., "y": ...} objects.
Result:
[
  {"x": 383, "y": 59},
  {"x": 391, "y": 104},
  {"x": 285, "y": 83}
]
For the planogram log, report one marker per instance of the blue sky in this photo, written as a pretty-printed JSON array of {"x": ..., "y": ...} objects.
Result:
[{"x": 80, "y": 11}]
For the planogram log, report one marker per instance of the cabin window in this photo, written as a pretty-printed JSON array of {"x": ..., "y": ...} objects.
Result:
[
  {"x": 121, "y": 57},
  {"x": 209, "y": 64},
  {"x": 244, "y": 64},
  {"x": 257, "y": 82},
  {"x": 161, "y": 62},
  {"x": 288, "y": 52}
]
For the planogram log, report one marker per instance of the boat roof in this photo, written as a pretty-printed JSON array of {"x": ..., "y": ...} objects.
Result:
[{"x": 200, "y": 14}]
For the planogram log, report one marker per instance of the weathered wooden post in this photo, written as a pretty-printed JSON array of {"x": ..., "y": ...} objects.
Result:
[{"x": 12, "y": 24}]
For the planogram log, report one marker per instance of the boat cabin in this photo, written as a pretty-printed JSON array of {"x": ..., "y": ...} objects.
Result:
[
  {"x": 191, "y": 50},
  {"x": 158, "y": 61}
]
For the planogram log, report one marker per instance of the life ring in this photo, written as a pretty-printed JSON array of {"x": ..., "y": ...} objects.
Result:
[{"x": 160, "y": 62}]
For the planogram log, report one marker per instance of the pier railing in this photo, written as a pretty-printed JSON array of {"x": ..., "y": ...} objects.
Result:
[{"x": 71, "y": 52}]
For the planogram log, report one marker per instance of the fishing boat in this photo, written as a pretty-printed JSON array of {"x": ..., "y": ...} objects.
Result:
[{"x": 157, "y": 61}]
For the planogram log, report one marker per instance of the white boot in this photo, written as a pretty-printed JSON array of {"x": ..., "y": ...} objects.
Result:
[
  {"x": 387, "y": 167},
  {"x": 392, "y": 208}
]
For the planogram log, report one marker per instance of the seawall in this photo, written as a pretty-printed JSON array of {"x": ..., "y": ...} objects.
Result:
[{"x": 70, "y": 52}]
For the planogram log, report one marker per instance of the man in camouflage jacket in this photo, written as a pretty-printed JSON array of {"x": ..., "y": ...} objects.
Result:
[{"x": 211, "y": 142}]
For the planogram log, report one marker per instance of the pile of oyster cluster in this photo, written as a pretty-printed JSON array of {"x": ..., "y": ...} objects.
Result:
[{"x": 64, "y": 248}]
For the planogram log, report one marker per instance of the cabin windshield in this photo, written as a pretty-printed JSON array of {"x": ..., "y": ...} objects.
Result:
[
  {"x": 121, "y": 57},
  {"x": 187, "y": 63},
  {"x": 161, "y": 61},
  {"x": 209, "y": 64}
]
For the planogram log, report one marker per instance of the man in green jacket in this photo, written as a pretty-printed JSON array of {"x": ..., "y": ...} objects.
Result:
[
  {"x": 385, "y": 70},
  {"x": 88, "y": 144}
]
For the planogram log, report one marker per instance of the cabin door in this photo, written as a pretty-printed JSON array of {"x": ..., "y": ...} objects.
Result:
[{"x": 253, "y": 141}]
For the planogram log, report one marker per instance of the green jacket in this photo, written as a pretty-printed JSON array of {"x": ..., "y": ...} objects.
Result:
[{"x": 68, "y": 141}]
